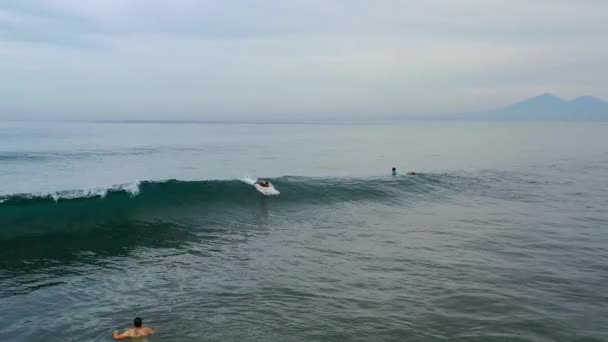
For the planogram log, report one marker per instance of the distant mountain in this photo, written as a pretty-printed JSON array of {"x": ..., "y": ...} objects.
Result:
[{"x": 550, "y": 107}]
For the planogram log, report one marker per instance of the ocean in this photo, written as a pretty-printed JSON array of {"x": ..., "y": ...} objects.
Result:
[{"x": 502, "y": 234}]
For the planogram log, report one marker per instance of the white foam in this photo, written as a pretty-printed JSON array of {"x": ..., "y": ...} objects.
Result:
[
  {"x": 87, "y": 193},
  {"x": 131, "y": 188},
  {"x": 267, "y": 191},
  {"x": 249, "y": 180}
]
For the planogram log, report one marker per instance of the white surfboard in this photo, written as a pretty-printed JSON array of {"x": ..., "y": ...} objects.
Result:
[{"x": 268, "y": 191}]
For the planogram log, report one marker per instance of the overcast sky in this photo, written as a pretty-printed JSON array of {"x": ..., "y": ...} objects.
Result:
[{"x": 231, "y": 59}]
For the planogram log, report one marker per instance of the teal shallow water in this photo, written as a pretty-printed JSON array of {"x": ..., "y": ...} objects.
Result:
[{"x": 501, "y": 237}]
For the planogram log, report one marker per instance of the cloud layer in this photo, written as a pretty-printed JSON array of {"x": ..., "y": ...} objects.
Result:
[{"x": 262, "y": 59}]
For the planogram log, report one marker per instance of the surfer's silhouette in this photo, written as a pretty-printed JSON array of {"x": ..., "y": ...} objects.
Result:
[{"x": 263, "y": 183}]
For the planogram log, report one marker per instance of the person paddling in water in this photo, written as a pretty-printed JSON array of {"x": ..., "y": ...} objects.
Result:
[
  {"x": 411, "y": 173},
  {"x": 138, "y": 330}
]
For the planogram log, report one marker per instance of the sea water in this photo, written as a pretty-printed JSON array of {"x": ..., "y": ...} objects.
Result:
[{"x": 501, "y": 235}]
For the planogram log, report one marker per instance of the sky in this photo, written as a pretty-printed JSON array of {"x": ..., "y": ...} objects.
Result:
[{"x": 293, "y": 59}]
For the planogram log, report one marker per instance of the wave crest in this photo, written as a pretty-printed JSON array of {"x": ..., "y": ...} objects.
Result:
[{"x": 27, "y": 214}]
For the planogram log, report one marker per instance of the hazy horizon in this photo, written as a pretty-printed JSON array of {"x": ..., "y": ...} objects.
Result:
[{"x": 270, "y": 60}]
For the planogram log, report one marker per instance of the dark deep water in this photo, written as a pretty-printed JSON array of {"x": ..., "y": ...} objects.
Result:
[{"x": 502, "y": 236}]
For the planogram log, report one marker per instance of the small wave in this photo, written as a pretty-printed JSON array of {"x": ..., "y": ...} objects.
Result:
[
  {"x": 15, "y": 199},
  {"x": 26, "y": 214},
  {"x": 15, "y": 156},
  {"x": 41, "y": 156}
]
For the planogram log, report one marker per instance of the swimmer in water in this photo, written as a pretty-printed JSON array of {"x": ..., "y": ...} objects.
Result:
[
  {"x": 138, "y": 330},
  {"x": 394, "y": 171}
]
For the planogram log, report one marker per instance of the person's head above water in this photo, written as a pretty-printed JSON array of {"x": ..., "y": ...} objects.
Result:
[
  {"x": 138, "y": 330},
  {"x": 137, "y": 322},
  {"x": 394, "y": 169}
]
